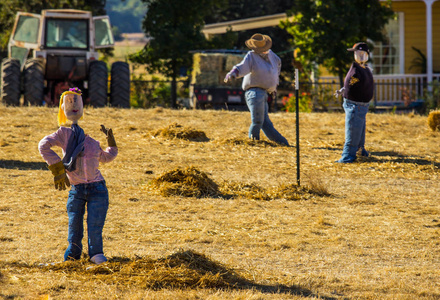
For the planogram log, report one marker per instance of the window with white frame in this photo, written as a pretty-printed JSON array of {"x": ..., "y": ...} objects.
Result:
[{"x": 387, "y": 57}]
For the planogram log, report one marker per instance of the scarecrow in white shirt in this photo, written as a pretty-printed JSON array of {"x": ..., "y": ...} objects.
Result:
[{"x": 261, "y": 70}]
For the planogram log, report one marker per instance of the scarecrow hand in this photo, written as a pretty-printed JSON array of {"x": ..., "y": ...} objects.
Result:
[
  {"x": 110, "y": 138},
  {"x": 60, "y": 178},
  {"x": 339, "y": 92},
  {"x": 231, "y": 75}
]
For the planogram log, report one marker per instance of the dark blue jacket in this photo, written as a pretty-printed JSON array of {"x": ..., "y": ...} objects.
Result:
[{"x": 359, "y": 84}]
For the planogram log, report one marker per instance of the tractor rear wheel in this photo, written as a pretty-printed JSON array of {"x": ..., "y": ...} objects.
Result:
[
  {"x": 98, "y": 83},
  {"x": 33, "y": 79},
  {"x": 10, "y": 85},
  {"x": 120, "y": 85}
]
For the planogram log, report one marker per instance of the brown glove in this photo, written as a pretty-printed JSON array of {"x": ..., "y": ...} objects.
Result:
[
  {"x": 60, "y": 177},
  {"x": 110, "y": 138}
]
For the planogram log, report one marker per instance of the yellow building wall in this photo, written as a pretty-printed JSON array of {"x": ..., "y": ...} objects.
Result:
[
  {"x": 436, "y": 36},
  {"x": 415, "y": 31}
]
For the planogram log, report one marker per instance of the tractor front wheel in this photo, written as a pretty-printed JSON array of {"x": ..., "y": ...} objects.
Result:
[
  {"x": 10, "y": 85},
  {"x": 98, "y": 83},
  {"x": 33, "y": 75},
  {"x": 120, "y": 85}
]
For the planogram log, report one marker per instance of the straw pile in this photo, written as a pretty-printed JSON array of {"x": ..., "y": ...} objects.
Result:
[
  {"x": 232, "y": 60},
  {"x": 178, "y": 131},
  {"x": 188, "y": 182},
  {"x": 183, "y": 269},
  {"x": 434, "y": 120},
  {"x": 209, "y": 69},
  {"x": 191, "y": 182}
]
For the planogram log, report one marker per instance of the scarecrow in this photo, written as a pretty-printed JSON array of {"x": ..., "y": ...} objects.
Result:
[
  {"x": 261, "y": 71},
  {"x": 79, "y": 169},
  {"x": 357, "y": 92}
]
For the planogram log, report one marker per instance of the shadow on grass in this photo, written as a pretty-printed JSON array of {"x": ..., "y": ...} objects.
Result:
[
  {"x": 181, "y": 270},
  {"x": 395, "y": 157},
  {"x": 22, "y": 165},
  {"x": 391, "y": 157}
]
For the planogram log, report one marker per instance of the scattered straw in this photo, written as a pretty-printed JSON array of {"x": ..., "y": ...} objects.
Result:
[
  {"x": 178, "y": 131},
  {"x": 293, "y": 192},
  {"x": 244, "y": 190},
  {"x": 249, "y": 142}
]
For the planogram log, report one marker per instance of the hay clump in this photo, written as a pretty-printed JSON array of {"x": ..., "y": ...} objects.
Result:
[
  {"x": 189, "y": 182},
  {"x": 180, "y": 132},
  {"x": 434, "y": 120}
]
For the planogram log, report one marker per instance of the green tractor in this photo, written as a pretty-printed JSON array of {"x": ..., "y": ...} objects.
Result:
[{"x": 56, "y": 50}]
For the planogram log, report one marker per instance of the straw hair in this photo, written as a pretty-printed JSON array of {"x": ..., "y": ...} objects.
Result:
[{"x": 62, "y": 119}]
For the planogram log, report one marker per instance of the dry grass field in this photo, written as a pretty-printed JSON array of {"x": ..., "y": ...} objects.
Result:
[{"x": 367, "y": 230}]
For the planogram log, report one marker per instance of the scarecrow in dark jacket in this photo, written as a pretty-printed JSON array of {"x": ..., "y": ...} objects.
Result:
[{"x": 357, "y": 91}]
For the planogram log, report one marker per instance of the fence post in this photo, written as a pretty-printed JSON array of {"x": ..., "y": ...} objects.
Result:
[
  {"x": 375, "y": 97},
  {"x": 298, "y": 181}
]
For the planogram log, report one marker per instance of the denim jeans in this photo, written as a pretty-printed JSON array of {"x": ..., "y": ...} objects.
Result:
[
  {"x": 95, "y": 196},
  {"x": 355, "y": 120},
  {"x": 256, "y": 100}
]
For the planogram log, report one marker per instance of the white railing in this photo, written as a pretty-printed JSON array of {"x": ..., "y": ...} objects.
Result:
[{"x": 391, "y": 89}]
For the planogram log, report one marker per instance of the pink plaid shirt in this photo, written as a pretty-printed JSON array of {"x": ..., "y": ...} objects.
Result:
[{"x": 87, "y": 162}]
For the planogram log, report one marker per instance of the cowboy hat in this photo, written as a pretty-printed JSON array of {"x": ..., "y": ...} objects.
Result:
[{"x": 259, "y": 43}]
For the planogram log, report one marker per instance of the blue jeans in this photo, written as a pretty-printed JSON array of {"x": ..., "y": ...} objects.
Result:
[
  {"x": 355, "y": 120},
  {"x": 256, "y": 100},
  {"x": 95, "y": 196}
]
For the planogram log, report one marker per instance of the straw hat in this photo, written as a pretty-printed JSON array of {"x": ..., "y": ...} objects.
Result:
[{"x": 259, "y": 42}]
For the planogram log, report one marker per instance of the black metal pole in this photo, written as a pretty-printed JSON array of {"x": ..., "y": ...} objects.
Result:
[{"x": 298, "y": 181}]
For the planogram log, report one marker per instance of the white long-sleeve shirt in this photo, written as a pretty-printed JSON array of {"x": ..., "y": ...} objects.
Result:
[{"x": 258, "y": 72}]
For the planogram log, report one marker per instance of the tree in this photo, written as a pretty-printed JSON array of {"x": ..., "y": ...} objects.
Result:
[
  {"x": 322, "y": 30},
  {"x": 126, "y": 15},
  {"x": 243, "y": 9},
  {"x": 175, "y": 29},
  {"x": 9, "y": 8}
]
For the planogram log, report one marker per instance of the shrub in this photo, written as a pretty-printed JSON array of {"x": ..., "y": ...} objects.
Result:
[
  {"x": 305, "y": 102},
  {"x": 432, "y": 99},
  {"x": 323, "y": 98}
]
